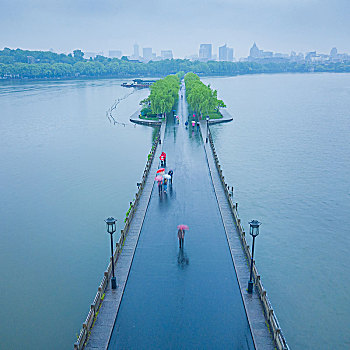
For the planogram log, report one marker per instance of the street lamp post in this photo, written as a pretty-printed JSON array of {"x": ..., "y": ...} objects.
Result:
[
  {"x": 206, "y": 140},
  {"x": 111, "y": 227},
  {"x": 254, "y": 231}
]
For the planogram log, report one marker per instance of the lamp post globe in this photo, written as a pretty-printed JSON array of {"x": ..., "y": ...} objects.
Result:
[
  {"x": 111, "y": 228},
  {"x": 111, "y": 225},
  {"x": 254, "y": 228},
  {"x": 254, "y": 231}
]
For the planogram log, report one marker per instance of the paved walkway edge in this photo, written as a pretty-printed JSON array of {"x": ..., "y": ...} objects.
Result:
[
  {"x": 226, "y": 117},
  {"x": 98, "y": 326},
  {"x": 137, "y": 120},
  {"x": 263, "y": 322}
]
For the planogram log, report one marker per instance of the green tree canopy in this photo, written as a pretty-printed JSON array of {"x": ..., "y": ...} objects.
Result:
[
  {"x": 201, "y": 98},
  {"x": 164, "y": 94}
]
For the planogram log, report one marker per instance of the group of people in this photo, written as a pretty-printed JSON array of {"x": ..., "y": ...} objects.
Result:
[
  {"x": 164, "y": 178},
  {"x": 194, "y": 123},
  {"x": 163, "y": 186}
]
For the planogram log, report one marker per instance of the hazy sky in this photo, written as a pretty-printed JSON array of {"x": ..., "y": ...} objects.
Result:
[{"x": 102, "y": 25}]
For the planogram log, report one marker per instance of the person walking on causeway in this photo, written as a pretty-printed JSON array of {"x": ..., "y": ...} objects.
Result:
[
  {"x": 181, "y": 236},
  {"x": 171, "y": 173},
  {"x": 160, "y": 187},
  {"x": 163, "y": 159}
]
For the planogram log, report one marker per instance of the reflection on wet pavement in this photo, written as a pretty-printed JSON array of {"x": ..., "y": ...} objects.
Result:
[{"x": 164, "y": 291}]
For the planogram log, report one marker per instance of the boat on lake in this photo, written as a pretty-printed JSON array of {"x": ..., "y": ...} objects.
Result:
[{"x": 139, "y": 83}]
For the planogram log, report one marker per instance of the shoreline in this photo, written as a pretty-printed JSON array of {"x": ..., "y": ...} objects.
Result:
[
  {"x": 226, "y": 118},
  {"x": 130, "y": 77}
]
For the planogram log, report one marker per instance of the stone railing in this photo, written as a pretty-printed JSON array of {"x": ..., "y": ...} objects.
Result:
[
  {"x": 270, "y": 316},
  {"x": 95, "y": 306}
]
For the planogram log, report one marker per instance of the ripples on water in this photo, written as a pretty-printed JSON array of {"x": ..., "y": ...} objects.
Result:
[{"x": 287, "y": 155}]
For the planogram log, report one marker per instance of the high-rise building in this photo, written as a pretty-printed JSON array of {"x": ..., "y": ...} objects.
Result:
[
  {"x": 205, "y": 52},
  {"x": 254, "y": 51},
  {"x": 136, "y": 51},
  {"x": 225, "y": 53},
  {"x": 334, "y": 52},
  {"x": 115, "y": 53},
  {"x": 166, "y": 54},
  {"x": 147, "y": 53}
]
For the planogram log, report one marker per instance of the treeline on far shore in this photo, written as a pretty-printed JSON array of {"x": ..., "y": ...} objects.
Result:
[{"x": 21, "y": 64}]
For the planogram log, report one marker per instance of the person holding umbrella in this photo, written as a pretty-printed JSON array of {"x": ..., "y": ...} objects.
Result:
[
  {"x": 181, "y": 234},
  {"x": 159, "y": 178}
]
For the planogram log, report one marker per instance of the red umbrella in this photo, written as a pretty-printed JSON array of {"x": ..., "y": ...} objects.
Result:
[
  {"x": 158, "y": 178},
  {"x": 182, "y": 227},
  {"x": 161, "y": 170}
]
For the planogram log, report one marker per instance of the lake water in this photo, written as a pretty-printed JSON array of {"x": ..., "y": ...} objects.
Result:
[
  {"x": 287, "y": 154},
  {"x": 65, "y": 168}
]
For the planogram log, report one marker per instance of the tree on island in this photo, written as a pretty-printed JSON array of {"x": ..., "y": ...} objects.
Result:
[
  {"x": 163, "y": 96},
  {"x": 201, "y": 98}
]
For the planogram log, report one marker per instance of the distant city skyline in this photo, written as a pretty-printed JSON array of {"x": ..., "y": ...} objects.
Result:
[
  {"x": 277, "y": 25},
  {"x": 215, "y": 48},
  {"x": 224, "y": 53}
]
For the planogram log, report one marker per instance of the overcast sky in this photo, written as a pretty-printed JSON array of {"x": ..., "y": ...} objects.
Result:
[{"x": 102, "y": 25}]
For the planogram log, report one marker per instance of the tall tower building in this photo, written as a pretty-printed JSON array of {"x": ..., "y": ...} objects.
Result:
[
  {"x": 225, "y": 53},
  {"x": 205, "y": 52},
  {"x": 334, "y": 52}
]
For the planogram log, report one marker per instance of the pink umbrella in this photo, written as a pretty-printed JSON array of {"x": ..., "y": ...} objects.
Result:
[
  {"x": 158, "y": 178},
  {"x": 182, "y": 227}
]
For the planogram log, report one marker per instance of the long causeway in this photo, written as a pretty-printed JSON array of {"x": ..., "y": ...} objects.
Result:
[{"x": 191, "y": 298}]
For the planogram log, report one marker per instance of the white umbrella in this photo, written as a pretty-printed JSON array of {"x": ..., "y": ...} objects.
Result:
[{"x": 167, "y": 176}]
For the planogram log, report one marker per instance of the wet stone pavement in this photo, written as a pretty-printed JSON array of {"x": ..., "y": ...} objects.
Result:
[{"x": 190, "y": 298}]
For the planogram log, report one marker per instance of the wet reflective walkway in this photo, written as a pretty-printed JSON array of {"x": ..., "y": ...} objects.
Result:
[{"x": 190, "y": 298}]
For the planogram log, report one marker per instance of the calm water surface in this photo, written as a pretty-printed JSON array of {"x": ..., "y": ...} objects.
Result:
[
  {"x": 287, "y": 156},
  {"x": 65, "y": 168}
]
